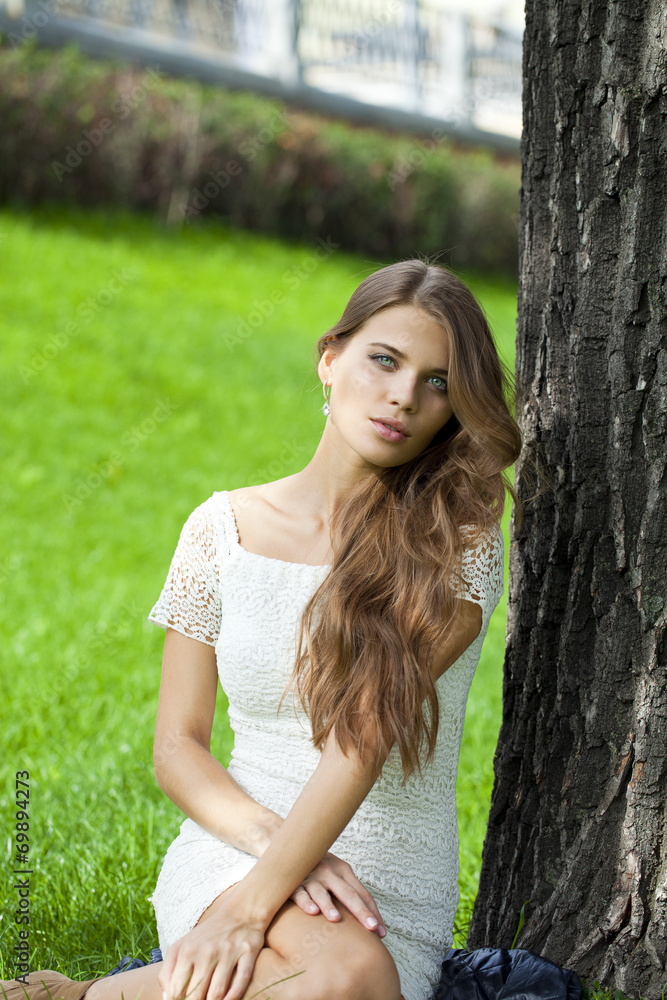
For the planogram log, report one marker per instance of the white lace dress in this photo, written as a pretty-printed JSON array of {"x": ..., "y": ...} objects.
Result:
[{"x": 401, "y": 843}]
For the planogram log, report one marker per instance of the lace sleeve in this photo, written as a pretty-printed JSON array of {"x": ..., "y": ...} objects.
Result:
[
  {"x": 482, "y": 571},
  {"x": 190, "y": 598}
]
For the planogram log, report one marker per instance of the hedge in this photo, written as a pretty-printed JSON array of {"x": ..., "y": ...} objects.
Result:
[{"x": 103, "y": 132}]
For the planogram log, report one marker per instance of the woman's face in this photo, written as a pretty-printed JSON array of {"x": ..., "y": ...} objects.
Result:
[{"x": 394, "y": 367}]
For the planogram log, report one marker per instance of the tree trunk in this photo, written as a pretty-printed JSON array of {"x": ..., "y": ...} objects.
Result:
[{"x": 578, "y": 818}]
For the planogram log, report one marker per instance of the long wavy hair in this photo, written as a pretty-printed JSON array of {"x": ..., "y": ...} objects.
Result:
[{"x": 369, "y": 633}]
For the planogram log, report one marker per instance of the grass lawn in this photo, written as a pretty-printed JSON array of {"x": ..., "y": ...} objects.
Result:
[{"x": 142, "y": 369}]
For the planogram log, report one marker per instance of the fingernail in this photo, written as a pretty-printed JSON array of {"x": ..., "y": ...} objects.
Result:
[
  {"x": 371, "y": 922},
  {"x": 312, "y": 908},
  {"x": 334, "y": 913},
  {"x": 382, "y": 930},
  {"x": 164, "y": 995}
]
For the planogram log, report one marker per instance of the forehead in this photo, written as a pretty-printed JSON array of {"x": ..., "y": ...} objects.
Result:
[{"x": 409, "y": 328}]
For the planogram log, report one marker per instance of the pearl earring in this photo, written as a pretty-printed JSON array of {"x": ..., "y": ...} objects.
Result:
[{"x": 326, "y": 409}]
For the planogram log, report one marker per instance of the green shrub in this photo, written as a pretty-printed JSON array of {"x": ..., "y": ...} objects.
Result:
[{"x": 94, "y": 132}]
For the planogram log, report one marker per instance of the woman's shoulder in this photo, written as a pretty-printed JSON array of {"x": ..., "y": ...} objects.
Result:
[
  {"x": 481, "y": 541},
  {"x": 211, "y": 521},
  {"x": 208, "y": 511},
  {"x": 277, "y": 520},
  {"x": 483, "y": 560},
  {"x": 217, "y": 514}
]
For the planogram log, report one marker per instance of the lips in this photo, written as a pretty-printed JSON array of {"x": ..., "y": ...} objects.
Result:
[
  {"x": 395, "y": 424},
  {"x": 392, "y": 430}
]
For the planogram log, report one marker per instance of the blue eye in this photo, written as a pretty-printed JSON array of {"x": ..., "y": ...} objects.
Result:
[{"x": 378, "y": 358}]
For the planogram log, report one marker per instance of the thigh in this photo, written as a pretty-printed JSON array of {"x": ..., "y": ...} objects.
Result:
[
  {"x": 311, "y": 941},
  {"x": 352, "y": 959},
  {"x": 296, "y": 935}
]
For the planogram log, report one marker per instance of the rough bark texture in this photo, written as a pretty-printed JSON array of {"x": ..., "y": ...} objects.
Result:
[{"x": 579, "y": 809}]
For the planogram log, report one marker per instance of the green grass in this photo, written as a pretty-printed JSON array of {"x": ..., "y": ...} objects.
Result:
[{"x": 113, "y": 435}]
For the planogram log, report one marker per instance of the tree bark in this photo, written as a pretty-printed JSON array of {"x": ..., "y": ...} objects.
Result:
[{"x": 579, "y": 809}]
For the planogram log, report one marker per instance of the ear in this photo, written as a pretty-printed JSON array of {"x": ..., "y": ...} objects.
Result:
[{"x": 325, "y": 364}]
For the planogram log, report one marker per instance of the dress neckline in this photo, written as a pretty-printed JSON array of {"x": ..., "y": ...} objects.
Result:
[{"x": 257, "y": 555}]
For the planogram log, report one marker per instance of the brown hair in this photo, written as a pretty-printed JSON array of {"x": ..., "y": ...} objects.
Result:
[{"x": 373, "y": 626}]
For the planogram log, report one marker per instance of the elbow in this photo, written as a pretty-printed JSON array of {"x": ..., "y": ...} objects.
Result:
[
  {"x": 361, "y": 748},
  {"x": 165, "y": 750},
  {"x": 171, "y": 755}
]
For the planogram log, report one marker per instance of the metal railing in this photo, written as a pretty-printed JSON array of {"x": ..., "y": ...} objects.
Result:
[{"x": 402, "y": 62}]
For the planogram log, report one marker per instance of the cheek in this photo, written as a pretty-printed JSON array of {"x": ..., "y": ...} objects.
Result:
[
  {"x": 439, "y": 421},
  {"x": 361, "y": 379},
  {"x": 356, "y": 387}
]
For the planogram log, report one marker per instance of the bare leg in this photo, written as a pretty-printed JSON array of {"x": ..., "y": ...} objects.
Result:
[
  {"x": 142, "y": 984},
  {"x": 137, "y": 984},
  {"x": 295, "y": 942}
]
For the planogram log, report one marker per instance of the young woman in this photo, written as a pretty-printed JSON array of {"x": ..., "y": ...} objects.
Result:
[{"x": 323, "y": 862}]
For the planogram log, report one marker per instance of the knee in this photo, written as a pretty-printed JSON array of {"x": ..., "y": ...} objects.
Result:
[
  {"x": 383, "y": 979},
  {"x": 363, "y": 974}
]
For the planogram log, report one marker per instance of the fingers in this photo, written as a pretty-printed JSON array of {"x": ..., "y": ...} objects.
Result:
[
  {"x": 167, "y": 967},
  {"x": 366, "y": 913},
  {"x": 171, "y": 984},
  {"x": 219, "y": 986},
  {"x": 322, "y": 898},
  {"x": 196, "y": 988},
  {"x": 333, "y": 876},
  {"x": 357, "y": 899},
  {"x": 368, "y": 909},
  {"x": 303, "y": 899},
  {"x": 187, "y": 986},
  {"x": 179, "y": 977},
  {"x": 361, "y": 904}
]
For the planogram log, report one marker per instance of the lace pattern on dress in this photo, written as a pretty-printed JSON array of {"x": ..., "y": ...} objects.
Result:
[
  {"x": 482, "y": 568},
  {"x": 402, "y": 841},
  {"x": 190, "y": 598}
]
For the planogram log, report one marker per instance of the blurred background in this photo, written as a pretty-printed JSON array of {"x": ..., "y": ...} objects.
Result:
[
  {"x": 400, "y": 61},
  {"x": 189, "y": 193}
]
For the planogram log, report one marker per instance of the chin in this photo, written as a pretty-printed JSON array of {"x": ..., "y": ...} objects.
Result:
[{"x": 387, "y": 461}]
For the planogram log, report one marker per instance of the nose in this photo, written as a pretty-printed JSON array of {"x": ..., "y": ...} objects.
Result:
[{"x": 404, "y": 391}]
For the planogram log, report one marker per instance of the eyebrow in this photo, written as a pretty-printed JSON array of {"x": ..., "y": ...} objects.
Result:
[{"x": 400, "y": 354}]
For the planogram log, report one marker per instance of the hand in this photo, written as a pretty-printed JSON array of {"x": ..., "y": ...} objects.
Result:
[
  {"x": 333, "y": 875},
  {"x": 216, "y": 958}
]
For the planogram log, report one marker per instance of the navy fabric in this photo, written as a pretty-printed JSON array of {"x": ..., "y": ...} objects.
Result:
[
  {"x": 127, "y": 962},
  {"x": 504, "y": 974}
]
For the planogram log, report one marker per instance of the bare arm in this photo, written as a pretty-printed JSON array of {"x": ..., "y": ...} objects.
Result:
[
  {"x": 200, "y": 786},
  {"x": 326, "y": 804},
  {"x": 217, "y": 957},
  {"x": 184, "y": 766}
]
